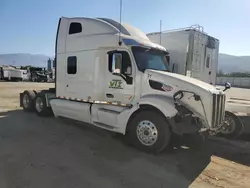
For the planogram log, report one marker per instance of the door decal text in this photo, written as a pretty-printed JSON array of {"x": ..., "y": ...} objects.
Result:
[{"x": 116, "y": 84}]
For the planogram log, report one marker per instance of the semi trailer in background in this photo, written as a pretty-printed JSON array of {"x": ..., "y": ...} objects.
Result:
[
  {"x": 110, "y": 75},
  {"x": 9, "y": 73},
  {"x": 193, "y": 52}
]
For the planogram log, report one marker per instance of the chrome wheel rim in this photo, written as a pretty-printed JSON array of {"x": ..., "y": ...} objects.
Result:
[
  {"x": 39, "y": 104},
  {"x": 229, "y": 125},
  {"x": 26, "y": 101},
  {"x": 147, "y": 133}
]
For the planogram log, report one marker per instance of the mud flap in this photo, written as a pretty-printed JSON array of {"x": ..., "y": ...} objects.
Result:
[
  {"x": 20, "y": 98},
  {"x": 184, "y": 126}
]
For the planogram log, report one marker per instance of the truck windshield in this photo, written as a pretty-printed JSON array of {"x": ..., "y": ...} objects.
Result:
[{"x": 150, "y": 58}]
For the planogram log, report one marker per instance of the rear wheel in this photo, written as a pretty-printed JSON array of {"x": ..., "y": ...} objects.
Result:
[
  {"x": 149, "y": 131},
  {"x": 28, "y": 100},
  {"x": 41, "y": 106}
]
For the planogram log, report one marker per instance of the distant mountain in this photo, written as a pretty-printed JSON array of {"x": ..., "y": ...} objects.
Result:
[
  {"x": 24, "y": 59},
  {"x": 227, "y": 63}
]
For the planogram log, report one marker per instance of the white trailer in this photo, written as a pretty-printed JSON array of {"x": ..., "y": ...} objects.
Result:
[
  {"x": 112, "y": 76},
  {"x": 12, "y": 74},
  {"x": 192, "y": 52}
]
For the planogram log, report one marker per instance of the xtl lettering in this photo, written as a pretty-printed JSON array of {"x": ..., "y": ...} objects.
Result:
[{"x": 116, "y": 84}]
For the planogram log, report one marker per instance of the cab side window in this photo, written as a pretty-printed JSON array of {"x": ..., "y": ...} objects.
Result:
[
  {"x": 72, "y": 65},
  {"x": 75, "y": 27},
  {"x": 126, "y": 68}
]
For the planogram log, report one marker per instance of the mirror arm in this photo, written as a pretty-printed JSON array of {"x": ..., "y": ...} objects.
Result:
[
  {"x": 121, "y": 75},
  {"x": 124, "y": 77},
  {"x": 225, "y": 89}
]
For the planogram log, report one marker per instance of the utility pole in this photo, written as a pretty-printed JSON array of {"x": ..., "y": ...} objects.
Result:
[
  {"x": 120, "y": 42},
  {"x": 160, "y": 30}
]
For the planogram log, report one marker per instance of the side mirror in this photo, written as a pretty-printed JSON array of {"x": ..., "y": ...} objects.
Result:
[
  {"x": 128, "y": 71},
  {"x": 173, "y": 68},
  {"x": 227, "y": 86},
  {"x": 168, "y": 59},
  {"x": 116, "y": 63}
]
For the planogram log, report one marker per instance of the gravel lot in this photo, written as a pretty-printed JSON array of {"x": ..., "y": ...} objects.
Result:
[{"x": 54, "y": 153}]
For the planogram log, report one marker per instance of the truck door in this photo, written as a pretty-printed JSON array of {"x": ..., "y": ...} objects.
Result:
[
  {"x": 203, "y": 59},
  {"x": 208, "y": 66},
  {"x": 120, "y": 82},
  {"x": 196, "y": 64},
  {"x": 71, "y": 78}
]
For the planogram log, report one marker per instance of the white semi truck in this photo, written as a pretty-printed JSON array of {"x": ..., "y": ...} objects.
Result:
[
  {"x": 194, "y": 53},
  {"x": 112, "y": 76}
]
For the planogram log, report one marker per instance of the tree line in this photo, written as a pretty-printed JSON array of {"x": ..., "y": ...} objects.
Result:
[{"x": 233, "y": 74}]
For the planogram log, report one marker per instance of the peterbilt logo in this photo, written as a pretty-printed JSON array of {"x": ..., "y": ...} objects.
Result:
[{"x": 166, "y": 88}]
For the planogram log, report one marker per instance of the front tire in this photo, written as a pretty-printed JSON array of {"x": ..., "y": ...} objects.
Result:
[
  {"x": 41, "y": 106},
  {"x": 149, "y": 131},
  {"x": 232, "y": 127}
]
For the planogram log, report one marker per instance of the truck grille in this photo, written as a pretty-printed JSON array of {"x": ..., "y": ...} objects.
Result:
[{"x": 218, "y": 109}]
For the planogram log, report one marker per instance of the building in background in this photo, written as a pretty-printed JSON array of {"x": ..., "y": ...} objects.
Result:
[{"x": 49, "y": 63}]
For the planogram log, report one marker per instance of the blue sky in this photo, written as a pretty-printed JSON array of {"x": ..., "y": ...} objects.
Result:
[{"x": 29, "y": 26}]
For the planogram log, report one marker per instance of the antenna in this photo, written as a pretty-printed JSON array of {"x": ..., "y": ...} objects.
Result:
[
  {"x": 160, "y": 30},
  {"x": 120, "y": 27}
]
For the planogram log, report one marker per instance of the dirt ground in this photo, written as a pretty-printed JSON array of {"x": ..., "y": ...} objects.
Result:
[{"x": 54, "y": 153}]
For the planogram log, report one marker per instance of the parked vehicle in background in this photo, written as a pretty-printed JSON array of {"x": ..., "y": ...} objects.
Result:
[
  {"x": 193, "y": 52},
  {"x": 36, "y": 74},
  {"x": 112, "y": 76},
  {"x": 25, "y": 75},
  {"x": 9, "y": 73}
]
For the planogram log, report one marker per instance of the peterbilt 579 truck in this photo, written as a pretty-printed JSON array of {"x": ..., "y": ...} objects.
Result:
[{"x": 110, "y": 75}]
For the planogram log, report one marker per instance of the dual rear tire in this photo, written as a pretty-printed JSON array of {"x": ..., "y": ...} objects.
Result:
[
  {"x": 41, "y": 105},
  {"x": 28, "y": 99},
  {"x": 32, "y": 101}
]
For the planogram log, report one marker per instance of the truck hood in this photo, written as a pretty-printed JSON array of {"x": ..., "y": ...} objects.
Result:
[
  {"x": 180, "y": 82},
  {"x": 167, "y": 84}
]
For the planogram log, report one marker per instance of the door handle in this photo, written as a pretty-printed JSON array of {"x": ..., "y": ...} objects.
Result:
[{"x": 109, "y": 95}]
